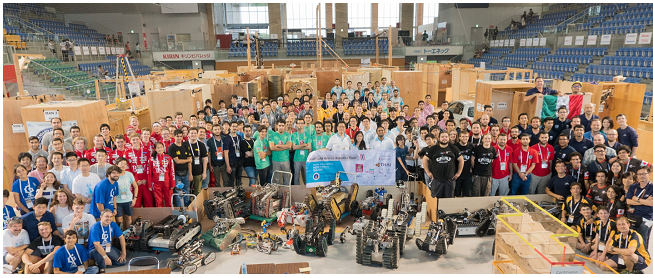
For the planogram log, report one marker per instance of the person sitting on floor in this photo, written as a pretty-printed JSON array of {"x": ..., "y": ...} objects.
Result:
[
  {"x": 14, "y": 242},
  {"x": 39, "y": 254},
  {"x": 99, "y": 242},
  {"x": 72, "y": 258}
]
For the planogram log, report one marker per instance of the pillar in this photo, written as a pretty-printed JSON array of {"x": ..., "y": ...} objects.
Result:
[
  {"x": 209, "y": 18},
  {"x": 375, "y": 18},
  {"x": 406, "y": 17},
  {"x": 328, "y": 23},
  {"x": 274, "y": 17},
  {"x": 342, "y": 22}
]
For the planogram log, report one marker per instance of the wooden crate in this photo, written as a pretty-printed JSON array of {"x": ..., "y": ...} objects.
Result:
[
  {"x": 326, "y": 80},
  {"x": 185, "y": 98},
  {"x": 355, "y": 77},
  {"x": 375, "y": 74},
  {"x": 503, "y": 92},
  {"x": 410, "y": 84},
  {"x": 290, "y": 85}
]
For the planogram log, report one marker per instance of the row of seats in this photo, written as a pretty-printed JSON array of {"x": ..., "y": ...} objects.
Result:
[
  {"x": 534, "y": 51},
  {"x": 627, "y": 61},
  {"x": 559, "y": 14},
  {"x": 576, "y": 59},
  {"x": 582, "y": 77},
  {"x": 492, "y": 55},
  {"x": 635, "y": 51},
  {"x": 511, "y": 64},
  {"x": 49, "y": 62},
  {"x": 586, "y": 51},
  {"x": 93, "y": 66},
  {"x": 596, "y": 19},
  {"x": 617, "y": 30},
  {"x": 367, "y": 51},
  {"x": 549, "y": 74},
  {"x": 501, "y": 50},
  {"x": 522, "y": 57},
  {"x": 525, "y": 35},
  {"x": 61, "y": 69},
  {"x": 11, "y": 30},
  {"x": 565, "y": 67},
  {"x": 633, "y": 15},
  {"x": 641, "y": 72},
  {"x": 477, "y": 61},
  {"x": 75, "y": 76},
  {"x": 141, "y": 72},
  {"x": 628, "y": 22}
]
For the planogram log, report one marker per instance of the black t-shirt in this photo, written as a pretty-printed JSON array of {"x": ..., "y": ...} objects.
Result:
[
  {"x": 443, "y": 161},
  {"x": 42, "y": 248},
  {"x": 393, "y": 123},
  {"x": 483, "y": 158},
  {"x": 560, "y": 153},
  {"x": 559, "y": 126},
  {"x": 599, "y": 195},
  {"x": 247, "y": 146},
  {"x": 441, "y": 115},
  {"x": 475, "y": 141},
  {"x": 552, "y": 136},
  {"x": 180, "y": 152},
  {"x": 197, "y": 152},
  {"x": 560, "y": 186},
  {"x": 216, "y": 146},
  {"x": 596, "y": 166},
  {"x": 233, "y": 144},
  {"x": 466, "y": 152}
]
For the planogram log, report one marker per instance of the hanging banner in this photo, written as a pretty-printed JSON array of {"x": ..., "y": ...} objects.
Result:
[
  {"x": 512, "y": 42},
  {"x": 39, "y": 129},
  {"x": 372, "y": 168},
  {"x": 500, "y": 43},
  {"x": 78, "y": 50},
  {"x": 93, "y": 50},
  {"x": 569, "y": 40},
  {"x": 529, "y": 42},
  {"x": 591, "y": 40},
  {"x": 506, "y": 42},
  {"x": 536, "y": 41},
  {"x": 114, "y": 50},
  {"x": 522, "y": 42},
  {"x": 605, "y": 39},
  {"x": 108, "y": 50},
  {"x": 101, "y": 50},
  {"x": 631, "y": 38},
  {"x": 579, "y": 40},
  {"x": 645, "y": 38},
  {"x": 542, "y": 41},
  {"x": 86, "y": 50}
]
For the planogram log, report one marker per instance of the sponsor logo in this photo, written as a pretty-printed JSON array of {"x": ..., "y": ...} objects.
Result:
[
  {"x": 316, "y": 176},
  {"x": 362, "y": 156},
  {"x": 443, "y": 159},
  {"x": 359, "y": 168}
]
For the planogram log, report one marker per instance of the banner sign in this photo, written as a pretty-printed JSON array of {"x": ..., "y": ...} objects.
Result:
[
  {"x": 645, "y": 38},
  {"x": 591, "y": 40},
  {"x": 605, "y": 39},
  {"x": 579, "y": 40},
  {"x": 434, "y": 50},
  {"x": 631, "y": 38},
  {"x": 86, "y": 50},
  {"x": 101, "y": 50},
  {"x": 542, "y": 41},
  {"x": 569, "y": 40},
  {"x": 39, "y": 129},
  {"x": 529, "y": 42},
  {"x": 512, "y": 42},
  {"x": 93, "y": 50},
  {"x": 372, "y": 168},
  {"x": 184, "y": 56},
  {"x": 522, "y": 42},
  {"x": 536, "y": 41}
]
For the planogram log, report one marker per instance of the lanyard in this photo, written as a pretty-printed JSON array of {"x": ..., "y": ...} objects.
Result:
[
  {"x": 505, "y": 152},
  {"x": 198, "y": 147},
  {"x": 479, "y": 140},
  {"x": 571, "y": 205},
  {"x": 611, "y": 206},
  {"x": 591, "y": 227},
  {"x": 621, "y": 235},
  {"x": 627, "y": 165},
  {"x": 643, "y": 190},
  {"x": 601, "y": 167},
  {"x": 607, "y": 230},
  {"x": 216, "y": 142},
  {"x": 49, "y": 243},
  {"x": 20, "y": 183},
  {"x": 248, "y": 144},
  {"x": 236, "y": 142},
  {"x": 109, "y": 231},
  {"x": 78, "y": 256},
  {"x": 578, "y": 175},
  {"x": 541, "y": 156},
  {"x": 521, "y": 157},
  {"x": 140, "y": 156}
]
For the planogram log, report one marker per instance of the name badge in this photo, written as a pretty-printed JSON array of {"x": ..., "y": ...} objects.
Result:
[
  {"x": 502, "y": 166},
  {"x": 123, "y": 196},
  {"x": 197, "y": 161},
  {"x": 601, "y": 246},
  {"x": 570, "y": 219},
  {"x": 263, "y": 159},
  {"x": 80, "y": 241},
  {"x": 29, "y": 204},
  {"x": 301, "y": 152},
  {"x": 237, "y": 154},
  {"x": 545, "y": 165},
  {"x": 162, "y": 177},
  {"x": 631, "y": 210},
  {"x": 621, "y": 261},
  {"x": 523, "y": 169},
  {"x": 219, "y": 155},
  {"x": 139, "y": 169},
  {"x": 107, "y": 248},
  {"x": 81, "y": 268}
]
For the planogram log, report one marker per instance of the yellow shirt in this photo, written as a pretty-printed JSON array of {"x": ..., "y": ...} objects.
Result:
[{"x": 325, "y": 113}]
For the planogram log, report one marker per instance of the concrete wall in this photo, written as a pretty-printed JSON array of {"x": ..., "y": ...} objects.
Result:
[{"x": 463, "y": 19}]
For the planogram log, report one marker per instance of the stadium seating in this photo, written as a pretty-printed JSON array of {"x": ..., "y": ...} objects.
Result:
[{"x": 365, "y": 46}]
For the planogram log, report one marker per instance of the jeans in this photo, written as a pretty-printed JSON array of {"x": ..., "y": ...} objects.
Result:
[
  {"x": 113, "y": 255},
  {"x": 500, "y": 185},
  {"x": 538, "y": 184},
  {"x": 205, "y": 182},
  {"x": 281, "y": 178},
  {"x": 251, "y": 174},
  {"x": 184, "y": 180},
  {"x": 517, "y": 184},
  {"x": 235, "y": 176},
  {"x": 300, "y": 169},
  {"x": 263, "y": 175},
  {"x": 645, "y": 231},
  {"x": 464, "y": 185}
]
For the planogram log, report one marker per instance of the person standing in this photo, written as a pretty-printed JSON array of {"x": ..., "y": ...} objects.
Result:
[
  {"x": 483, "y": 157},
  {"x": 126, "y": 199},
  {"x": 100, "y": 247},
  {"x": 100, "y": 168},
  {"x": 381, "y": 142},
  {"x": 559, "y": 186},
  {"x": 640, "y": 200},
  {"x": 539, "y": 90},
  {"x": 523, "y": 163},
  {"x": 440, "y": 166},
  {"x": 85, "y": 183},
  {"x": 162, "y": 176},
  {"x": 216, "y": 144},
  {"x": 280, "y": 144},
  {"x": 542, "y": 170},
  {"x": 627, "y": 134},
  {"x": 464, "y": 183},
  {"x": 588, "y": 115},
  {"x": 501, "y": 167},
  {"x": 138, "y": 157},
  {"x": 180, "y": 154},
  {"x": 262, "y": 153},
  {"x": 249, "y": 163},
  {"x": 105, "y": 192},
  {"x": 199, "y": 157},
  {"x": 233, "y": 156},
  {"x": 301, "y": 143}
]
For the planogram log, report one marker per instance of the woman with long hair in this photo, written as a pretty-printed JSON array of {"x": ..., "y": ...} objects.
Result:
[
  {"x": 48, "y": 187},
  {"x": 162, "y": 176},
  {"x": 23, "y": 189},
  {"x": 453, "y": 137},
  {"x": 61, "y": 206},
  {"x": 401, "y": 151},
  {"x": 615, "y": 175},
  {"x": 359, "y": 141},
  {"x": 606, "y": 124},
  {"x": 627, "y": 180},
  {"x": 616, "y": 207}
]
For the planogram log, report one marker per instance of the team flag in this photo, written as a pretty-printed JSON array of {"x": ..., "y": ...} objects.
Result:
[{"x": 550, "y": 105}]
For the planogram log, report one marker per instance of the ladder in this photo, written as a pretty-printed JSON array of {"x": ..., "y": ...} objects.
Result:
[{"x": 122, "y": 61}]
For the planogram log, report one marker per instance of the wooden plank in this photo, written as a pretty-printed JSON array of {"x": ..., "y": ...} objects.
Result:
[
  {"x": 410, "y": 84},
  {"x": 290, "y": 85},
  {"x": 326, "y": 80},
  {"x": 375, "y": 74},
  {"x": 627, "y": 100},
  {"x": 520, "y": 106},
  {"x": 451, "y": 205},
  {"x": 355, "y": 77},
  {"x": 167, "y": 102}
]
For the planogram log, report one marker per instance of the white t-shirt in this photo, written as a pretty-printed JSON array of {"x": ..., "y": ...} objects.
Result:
[
  {"x": 9, "y": 240},
  {"x": 68, "y": 175},
  {"x": 59, "y": 214},
  {"x": 124, "y": 188},
  {"x": 48, "y": 193},
  {"x": 100, "y": 171},
  {"x": 85, "y": 186},
  {"x": 336, "y": 143},
  {"x": 379, "y": 145},
  {"x": 82, "y": 227},
  {"x": 58, "y": 173}
]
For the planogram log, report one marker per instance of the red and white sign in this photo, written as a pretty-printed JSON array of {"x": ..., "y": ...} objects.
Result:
[
  {"x": 591, "y": 39},
  {"x": 645, "y": 38},
  {"x": 184, "y": 56}
]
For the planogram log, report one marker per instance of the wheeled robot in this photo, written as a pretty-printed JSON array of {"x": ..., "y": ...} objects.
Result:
[
  {"x": 229, "y": 204},
  {"x": 333, "y": 200},
  {"x": 224, "y": 233},
  {"x": 191, "y": 257},
  {"x": 440, "y": 235},
  {"x": 315, "y": 239}
]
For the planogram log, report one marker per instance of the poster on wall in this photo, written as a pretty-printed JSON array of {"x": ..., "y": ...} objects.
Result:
[
  {"x": 39, "y": 129},
  {"x": 371, "y": 168},
  {"x": 506, "y": 42},
  {"x": 512, "y": 42},
  {"x": 579, "y": 40},
  {"x": 529, "y": 42},
  {"x": 171, "y": 40},
  {"x": 78, "y": 50},
  {"x": 605, "y": 39},
  {"x": 536, "y": 41},
  {"x": 645, "y": 38},
  {"x": 114, "y": 50},
  {"x": 522, "y": 42},
  {"x": 108, "y": 50},
  {"x": 86, "y": 50},
  {"x": 542, "y": 41},
  {"x": 591, "y": 40},
  {"x": 569, "y": 40},
  {"x": 101, "y": 50},
  {"x": 500, "y": 43},
  {"x": 93, "y": 50},
  {"x": 631, "y": 38}
]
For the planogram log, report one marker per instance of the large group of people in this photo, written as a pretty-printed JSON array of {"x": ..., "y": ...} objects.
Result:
[{"x": 68, "y": 189}]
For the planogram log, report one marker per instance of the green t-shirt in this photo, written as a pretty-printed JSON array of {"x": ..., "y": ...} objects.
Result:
[
  {"x": 261, "y": 146},
  {"x": 280, "y": 139},
  {"x": 310, "y": 130},
  {"x": 301, "y": 138},
  {"x": 320, "y": 142}
]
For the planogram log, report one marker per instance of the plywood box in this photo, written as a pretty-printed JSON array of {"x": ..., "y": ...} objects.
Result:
[
  {"x": 290, "y": 85},
  {"x": 355, "y": 77},
  {"x": 375, "y": 74},
  {"x": 326, "y": 80},
  {"x": 410, "y": 84},
  {"x": 185, "y": 98}
]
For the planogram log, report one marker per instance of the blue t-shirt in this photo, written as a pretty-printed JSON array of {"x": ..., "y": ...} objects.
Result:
[
  {"x": 102, "y": 234},
  {"x": 545, "y": 91},
  {"x": 628, "y": 136},
  {"x": 68, "y": 260},
  {"x": 7, "y": 213},
  {"x": 103, "y": 194},
  {"x": 401, "y": 154},
  {"x": 581, "y": 146},
  {"x": 31, "y": 224},
  {"x": 26, "y": 190},
  {"x": 641, "y": 193}
]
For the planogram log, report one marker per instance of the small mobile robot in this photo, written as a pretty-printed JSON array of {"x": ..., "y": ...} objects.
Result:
[{"x": 191, "y": 257}]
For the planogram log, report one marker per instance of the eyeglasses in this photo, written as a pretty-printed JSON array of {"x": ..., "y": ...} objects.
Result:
[
  {"x": 599, "y": 151},
  {"x": 576, "y": 86},
  {"x": 642, "y": 174}
]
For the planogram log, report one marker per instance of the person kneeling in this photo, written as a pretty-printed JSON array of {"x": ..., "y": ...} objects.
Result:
[
  {"x": 99, "y": 242},
  {"x": 38, "y": 255},
  {"x": 625, "y": 249},
  {"x": 585, "y": 229},
  {"x": 72, "y": 258}
]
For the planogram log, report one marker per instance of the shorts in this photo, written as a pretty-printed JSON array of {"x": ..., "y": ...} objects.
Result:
[
  {"x": 124, "y": 208},
  {"x": 639, "y": 265}
]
